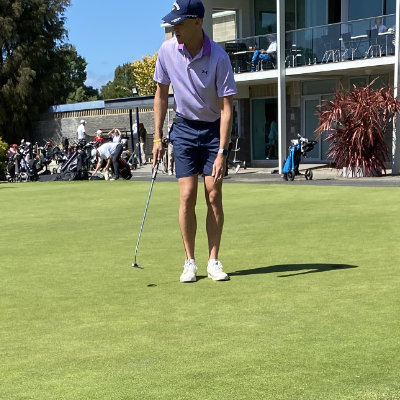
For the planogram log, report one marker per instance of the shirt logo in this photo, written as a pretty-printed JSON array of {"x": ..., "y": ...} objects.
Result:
[
  {"x": 204, "y": 72},
  {"x": 176, "y": 6}
]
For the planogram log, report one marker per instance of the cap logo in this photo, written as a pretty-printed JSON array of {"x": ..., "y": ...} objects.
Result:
[{"x": 176, "y": 6}]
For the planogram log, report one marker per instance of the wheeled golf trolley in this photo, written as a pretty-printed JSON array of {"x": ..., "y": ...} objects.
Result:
[{"x": 299, "y": 148}]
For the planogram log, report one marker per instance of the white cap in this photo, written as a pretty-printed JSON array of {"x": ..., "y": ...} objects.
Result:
[
  {"x": 82, "y": 121},
  {"x": 98, "y": 132}
]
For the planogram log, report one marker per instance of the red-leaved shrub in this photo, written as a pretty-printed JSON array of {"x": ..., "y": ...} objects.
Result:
[{"x": 356, "y": 122}]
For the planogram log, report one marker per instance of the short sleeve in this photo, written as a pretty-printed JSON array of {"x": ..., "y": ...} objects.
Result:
[
  {"x": 225, "y": 80},
  {"x": 161, "y": 73}
]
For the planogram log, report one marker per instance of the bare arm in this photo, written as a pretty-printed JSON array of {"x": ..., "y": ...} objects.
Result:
[
  {"x": 160, "y": 110},
  {"x": 224, "y": 136},
  {"x": 97, "y": 166},
  {"x": 108, "y": 163},
  {"x": 226, "y": 121}
]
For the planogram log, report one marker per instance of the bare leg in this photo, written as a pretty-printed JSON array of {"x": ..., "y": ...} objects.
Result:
[
  {"x": 187, "y": 212},
  {"x": 215, "y": 215}
]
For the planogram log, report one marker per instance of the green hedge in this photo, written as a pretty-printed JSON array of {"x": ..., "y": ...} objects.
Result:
[{"x": 3, "y": 159}]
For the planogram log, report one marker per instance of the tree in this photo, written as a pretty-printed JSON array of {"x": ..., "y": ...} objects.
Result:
[
  {"x": 3, "y": 159},
  {"x": 72, "y": 72},
  {"x": 356, "y": 122},
  {"x": 122, "y": 85},
  {"x": 143, "y": 72},
  {"x": 31, "y": 65}
]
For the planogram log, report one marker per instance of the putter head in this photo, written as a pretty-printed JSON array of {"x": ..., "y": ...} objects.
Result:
[{"x": 134, "y": 265}]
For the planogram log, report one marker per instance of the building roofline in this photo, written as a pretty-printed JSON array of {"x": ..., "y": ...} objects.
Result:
[{"x": 111, "y": 104}]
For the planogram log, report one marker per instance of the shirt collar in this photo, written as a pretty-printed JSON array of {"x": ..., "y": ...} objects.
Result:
[{"x": 206, "y": 51}]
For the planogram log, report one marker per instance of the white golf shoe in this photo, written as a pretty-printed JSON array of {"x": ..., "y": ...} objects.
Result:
[
  {"x": 215, "y": 272},
  {"x": 189, "y": 271}
]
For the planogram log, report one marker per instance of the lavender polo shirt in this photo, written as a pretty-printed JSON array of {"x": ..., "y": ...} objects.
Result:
[{"x": 198, "y": 82}]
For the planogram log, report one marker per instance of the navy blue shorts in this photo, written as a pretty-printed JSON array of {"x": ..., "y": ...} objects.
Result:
[{"x": 196, "y": 145}]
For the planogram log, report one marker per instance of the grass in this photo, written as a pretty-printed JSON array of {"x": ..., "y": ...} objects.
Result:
[{"x": 311, "y": 311}]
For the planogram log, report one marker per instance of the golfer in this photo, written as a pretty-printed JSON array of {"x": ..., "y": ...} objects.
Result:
[
  {"x": 110, "y": 152},
  {"x": 201, "y": 76}
]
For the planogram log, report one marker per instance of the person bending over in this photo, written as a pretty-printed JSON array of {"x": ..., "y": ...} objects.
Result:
[{"x": 111, "y": 152}]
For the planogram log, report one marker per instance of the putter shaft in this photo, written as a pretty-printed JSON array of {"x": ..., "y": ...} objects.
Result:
[{"x": 153, "y": 178}]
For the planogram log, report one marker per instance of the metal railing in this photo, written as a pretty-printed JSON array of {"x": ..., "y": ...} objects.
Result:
[{"x": 337, "y": 42}]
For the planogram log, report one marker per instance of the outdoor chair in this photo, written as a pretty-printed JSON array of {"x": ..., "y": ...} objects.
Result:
[
  {"x": 292, "y": 53},
  {"x": 331, "y": 44},
  {"x": 349, "y": 47},
  {"x": 374, "y": 48}
]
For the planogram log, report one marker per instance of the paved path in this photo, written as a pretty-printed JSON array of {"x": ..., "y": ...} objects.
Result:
[{"x": 322, "y": 176}]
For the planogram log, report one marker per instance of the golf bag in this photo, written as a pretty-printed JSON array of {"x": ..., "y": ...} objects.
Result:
[
  {"x": 78, "y": 163},
  {"x": 33, "y": 168},
  {"x": 24, "y": 165},
  {"x": 124, "y": 169},
  {"x": 11, "y": 168},
  {"x": 299, "y": 147},
  {"x": 127, "y": 156}
]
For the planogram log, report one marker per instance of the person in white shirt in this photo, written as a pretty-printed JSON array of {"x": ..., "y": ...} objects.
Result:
[
  {"x": 268, "y": 55},
  {"x": 111, "y": 152},
  {"x": 116, "y": 135},
  {"x": 81, "y": 131}
]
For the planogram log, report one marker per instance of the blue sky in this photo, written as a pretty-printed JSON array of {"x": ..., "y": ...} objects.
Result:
[{"x": 111, "y": 33}]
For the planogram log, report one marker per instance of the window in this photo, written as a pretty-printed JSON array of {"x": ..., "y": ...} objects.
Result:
[
  {"x": 265, "y": 129},
  {"x": 268, "y": 22},
  {"x": 265, "y": 16},
  {"x": 364, "y": 9},
  {"x": 318, "y": 87},
  {"x": 311, "y": 13},
  {"x": 389, "y": 7},
  {"x": 224, "y": 25}
]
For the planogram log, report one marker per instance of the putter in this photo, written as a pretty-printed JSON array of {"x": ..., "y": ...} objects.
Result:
[{"x": 153, "y": 178}]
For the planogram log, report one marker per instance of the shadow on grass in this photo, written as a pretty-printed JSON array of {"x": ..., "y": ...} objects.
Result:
[{"x": 292, "y": 269}]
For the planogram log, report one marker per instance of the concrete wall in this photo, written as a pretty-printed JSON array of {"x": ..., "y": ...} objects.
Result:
[
  {"x": 224, "y": 27},
  {"x": 246, "y": 15}
]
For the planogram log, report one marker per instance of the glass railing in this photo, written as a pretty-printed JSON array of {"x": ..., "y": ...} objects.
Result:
[
  {"x": 339, "y": 42},
  {"x": 342, "y": 41},
  {"x": 241, "y": 52}
]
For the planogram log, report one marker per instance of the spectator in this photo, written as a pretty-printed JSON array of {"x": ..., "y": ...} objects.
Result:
[
  {"x": 116, "y": 135},
  {"x": 142, "y": 141},
  {"x": 12, "y": 151},
  {"x": 81, "y": 132},
  {"x": 378, "y": 25},
  {"x": 142, "y": 134},
  {"x": 268, "y": 55},
  {"x": 98, "y": 139}
]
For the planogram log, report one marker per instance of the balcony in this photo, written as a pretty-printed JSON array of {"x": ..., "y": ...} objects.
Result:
[{"x": 334, "y": 43}]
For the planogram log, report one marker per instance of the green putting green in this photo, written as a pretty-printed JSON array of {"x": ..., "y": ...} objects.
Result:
[{"x": 311, "y": 311}]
